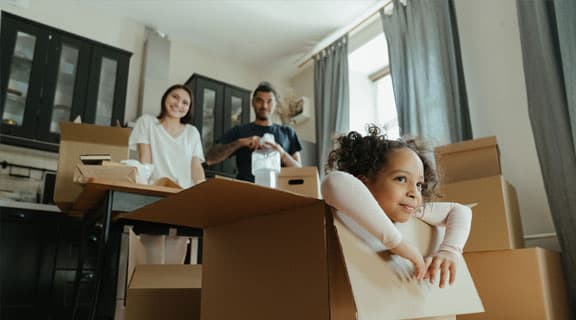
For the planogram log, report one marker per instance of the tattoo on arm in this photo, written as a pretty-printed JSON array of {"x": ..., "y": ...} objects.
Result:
[{"x": 221, "y": 152}]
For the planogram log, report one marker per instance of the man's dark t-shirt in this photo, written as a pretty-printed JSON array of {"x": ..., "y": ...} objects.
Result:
[{"x": 283, "y": 135}]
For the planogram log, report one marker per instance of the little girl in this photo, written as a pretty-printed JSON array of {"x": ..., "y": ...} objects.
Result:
[{"x": 376, "y": 182}]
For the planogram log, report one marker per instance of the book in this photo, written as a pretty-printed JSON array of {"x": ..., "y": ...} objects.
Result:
[{"x": 94, "y": 158}]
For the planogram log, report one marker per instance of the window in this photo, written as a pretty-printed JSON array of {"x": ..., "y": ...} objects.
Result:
[{"x": 371, "y": 94}]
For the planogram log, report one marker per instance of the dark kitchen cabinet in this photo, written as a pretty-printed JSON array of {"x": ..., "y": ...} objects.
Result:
[
  {"x": 218, "y": 107},
  {"x": 49, "y": 75},
  {"x": 38, "y": 257}
]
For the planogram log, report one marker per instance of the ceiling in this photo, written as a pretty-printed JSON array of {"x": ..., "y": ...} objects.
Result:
[{"x": 254, "y": 32}]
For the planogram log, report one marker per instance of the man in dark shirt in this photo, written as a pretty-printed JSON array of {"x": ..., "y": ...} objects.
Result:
[{"x": 242, "y": 140}]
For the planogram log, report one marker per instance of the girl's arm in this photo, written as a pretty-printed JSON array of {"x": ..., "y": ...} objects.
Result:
[
  {"x": 456, "y": 217},
  {"x": 351, "y": 197},
  {"x": 197, "y": 170}
]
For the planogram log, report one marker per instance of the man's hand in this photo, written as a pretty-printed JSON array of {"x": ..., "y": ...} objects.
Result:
[
  {"x": 273, "y": 146},
  {"x": 442, "y": 262},
  {"x": 252, "y": 142},
  {"x": 409, "y": 252}
]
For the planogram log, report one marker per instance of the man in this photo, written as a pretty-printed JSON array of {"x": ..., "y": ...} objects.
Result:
[{"x": 242, "y": 140}]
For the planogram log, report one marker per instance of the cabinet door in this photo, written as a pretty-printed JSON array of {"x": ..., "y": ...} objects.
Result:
[
  {"x": 21, "y": 65},
  {"x": 27, "y": 251},
  {"x": 236, "y": 111},
  {"x": 65, "y": 84},
  {"x": 208, "y": 110},
  {"x": 108, "y": 79}
]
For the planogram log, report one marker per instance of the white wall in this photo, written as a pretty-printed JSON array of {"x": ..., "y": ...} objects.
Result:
[
  {"x": 492, "y": 58},
  {"x": 303, "y": 85}
]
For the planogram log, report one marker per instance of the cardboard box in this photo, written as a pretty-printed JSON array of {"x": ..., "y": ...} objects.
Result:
[
  {"x": 525, "y": 284},
  {"x": 495, "y": 218},
  {"x": 302, "y": 180},
  {"x": 467, "y": 160},
  {"x": 83, "y": 173},
  {"x": 77, "y": 139},
  {"x": 164, "y": 292},
  {"x": 270, "y": 254}
]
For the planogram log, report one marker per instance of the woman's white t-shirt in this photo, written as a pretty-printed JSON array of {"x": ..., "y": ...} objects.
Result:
[{"x": 171, "y": 156}]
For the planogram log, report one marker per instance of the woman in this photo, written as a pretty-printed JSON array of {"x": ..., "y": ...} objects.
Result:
[
  {"x": 169, "y": 141},
  {"x": 173, "y": 146}
]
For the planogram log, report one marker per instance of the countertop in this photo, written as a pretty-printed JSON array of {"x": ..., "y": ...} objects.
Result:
[{"x": 4, "y": 203}]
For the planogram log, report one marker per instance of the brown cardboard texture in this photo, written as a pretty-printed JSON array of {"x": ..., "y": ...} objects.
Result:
[
  {"x": 525, "y": 284},
  {"x": 271, "y": 254},
  {"x": 77, "y": 139},
  {"x": 83, "y": 173},
  {"x": 495, "y": 219},
  {"x": 469, "y": 159},
  {"x": 302, "y": 180},
  {"x": 164, "y": 292}
]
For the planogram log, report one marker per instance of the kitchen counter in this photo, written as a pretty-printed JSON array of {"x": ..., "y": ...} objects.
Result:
[{"x": 4, "y": 203}]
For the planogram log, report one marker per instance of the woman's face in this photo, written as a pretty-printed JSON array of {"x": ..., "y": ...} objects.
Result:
[
  {"x": 177, "y": 103},
  {"x": 397, "y": 187}
]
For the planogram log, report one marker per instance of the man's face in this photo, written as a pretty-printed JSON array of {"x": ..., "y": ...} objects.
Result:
[{"x": 263, "y": 104}]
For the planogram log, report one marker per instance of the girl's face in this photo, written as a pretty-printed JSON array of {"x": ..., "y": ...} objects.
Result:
[
  {"x": 397, "y": 187},
  {"x": 177, "y": 103}
]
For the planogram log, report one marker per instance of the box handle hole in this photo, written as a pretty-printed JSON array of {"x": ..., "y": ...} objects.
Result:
[{"x": 295, "y": 181}]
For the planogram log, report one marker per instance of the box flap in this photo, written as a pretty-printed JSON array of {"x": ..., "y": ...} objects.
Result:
[
  {"x": 378, "y": 276},
  {"x": 219, "y": 201},
  {"x": 298, "y": 172},
  {"x": 77, "y": 139},
  {"x": 90, "y": 133},
  {"x": 466, "y": 145},
  {"x": 166, "y": 276}
]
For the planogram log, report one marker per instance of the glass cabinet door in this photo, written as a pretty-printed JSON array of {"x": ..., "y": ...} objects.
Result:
[
  {"x": 208, "y": 108},
  {"x": 207, "y": 112},
  {"x": 107, "y": 86},
  {"x": 19, "y": 79},
  {"x": 19, "y": 97},
  {"x": 236, "y": 111},
  {"x": 106, "y": 90},
  {"x": 64, "y": 92}
]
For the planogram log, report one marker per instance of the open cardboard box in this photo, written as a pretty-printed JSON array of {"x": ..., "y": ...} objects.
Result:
[
  {"x": 83, "y": 172},
  {"x": 164, "y": 291},
  {"x": 470, "y": 159},
  {"x": 525, "y": 284},
  {"x": 77, "y": 139},
  {"x": 496, "y": 222},
  {"x": 303, "y": 180},
  {"x": 270, "y": 254}
]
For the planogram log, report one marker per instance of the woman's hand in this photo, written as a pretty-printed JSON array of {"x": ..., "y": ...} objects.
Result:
[
  {"x": 442, "y": 262},
  {"x": 409, "y": 252}
]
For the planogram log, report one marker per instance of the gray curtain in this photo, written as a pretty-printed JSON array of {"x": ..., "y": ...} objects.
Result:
[
  {"x": 426, "y": 69},
  {"x": 552, "y": 117},
  {"x": 566, "y": 23},
  {"x": 331, "y": 96}
]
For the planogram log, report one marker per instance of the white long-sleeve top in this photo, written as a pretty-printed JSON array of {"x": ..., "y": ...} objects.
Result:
[{"x": 354, "y": 202}]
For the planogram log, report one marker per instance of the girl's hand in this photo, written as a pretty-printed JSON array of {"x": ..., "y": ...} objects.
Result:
[
  {"x": 442, "y": 262},
  {"x": 409, "y": 252}
]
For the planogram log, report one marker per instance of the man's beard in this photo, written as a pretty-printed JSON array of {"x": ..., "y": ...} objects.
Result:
[{"x": 262, "y": 118}]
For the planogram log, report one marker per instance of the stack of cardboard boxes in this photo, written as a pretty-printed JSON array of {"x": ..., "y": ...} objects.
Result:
[{"x": 513, "y": 283}]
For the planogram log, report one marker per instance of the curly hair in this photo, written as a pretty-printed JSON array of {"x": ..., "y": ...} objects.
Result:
[{"x": 366, "y": 155}]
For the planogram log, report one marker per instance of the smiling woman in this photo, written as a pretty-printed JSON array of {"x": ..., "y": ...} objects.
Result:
[{"x": 169, "y": 142}]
